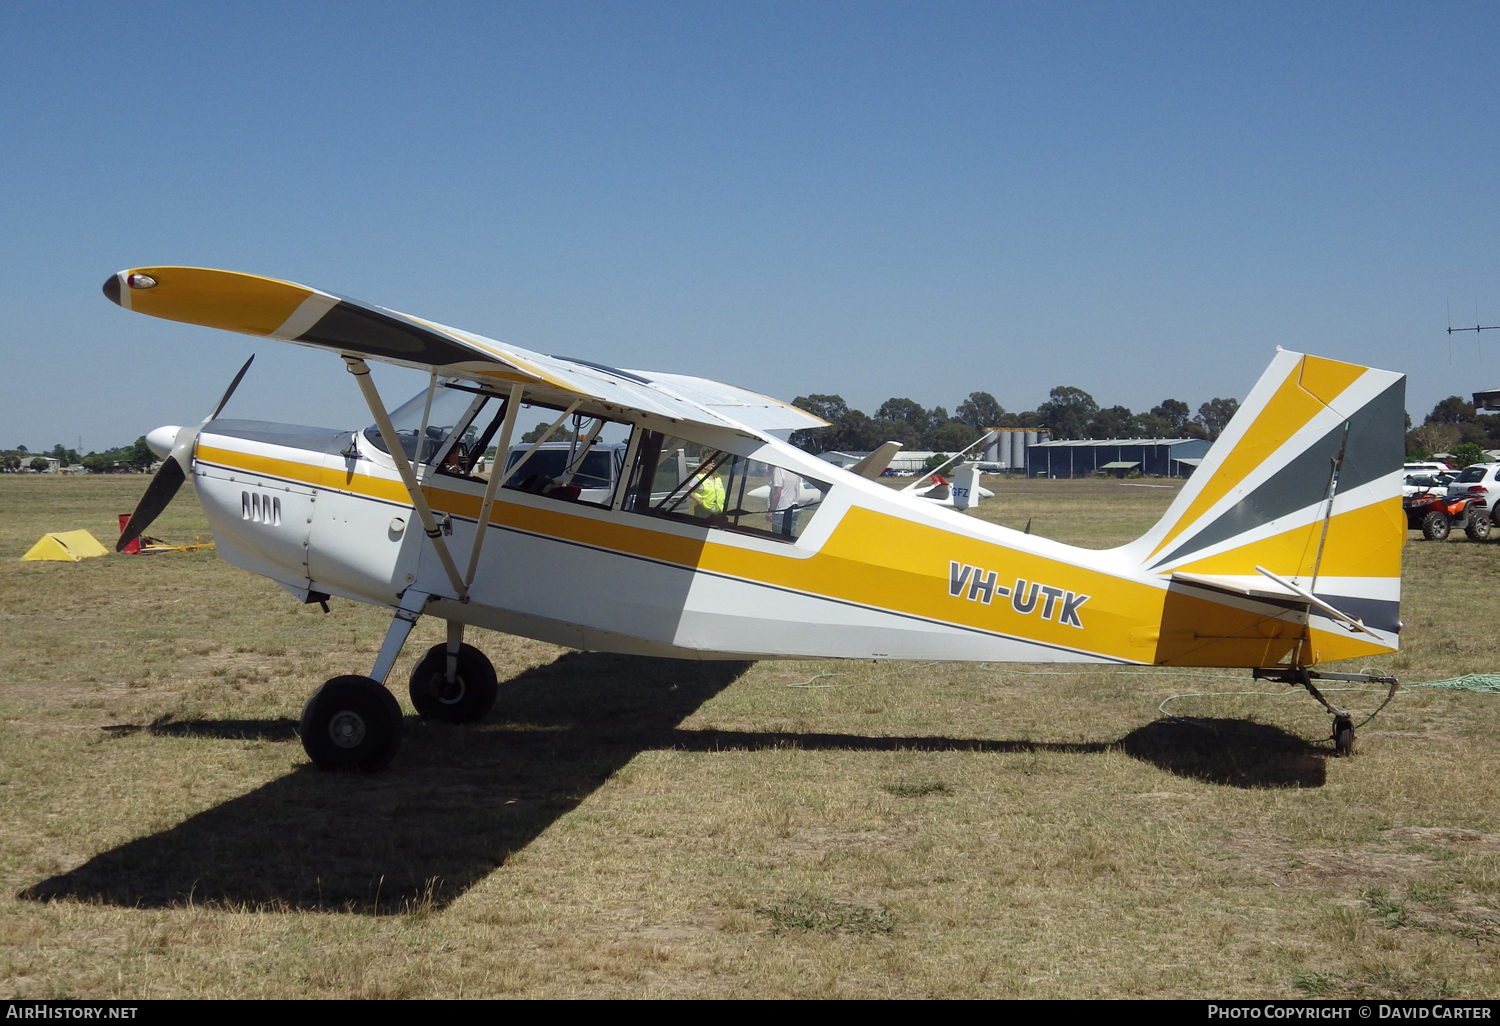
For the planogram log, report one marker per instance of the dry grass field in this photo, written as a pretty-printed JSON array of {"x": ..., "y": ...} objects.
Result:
[{"x": 635, "y": 827}]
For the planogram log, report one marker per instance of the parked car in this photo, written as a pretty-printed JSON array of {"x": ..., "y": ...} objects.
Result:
[
  {"x": 1479, "y": 481},
  {"x": 1426, "y": 481}
]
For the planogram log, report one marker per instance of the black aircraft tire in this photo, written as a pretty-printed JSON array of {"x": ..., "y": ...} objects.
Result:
[
  {"x": 1435, "y": 526},
  {"x": 1343, "y": 741},
  {"x": 467, "y": 700},
  {"x": 352, "y": 724}
]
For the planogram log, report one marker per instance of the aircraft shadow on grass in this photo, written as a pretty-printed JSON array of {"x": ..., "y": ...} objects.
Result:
[{"x": 461, "y": 800}]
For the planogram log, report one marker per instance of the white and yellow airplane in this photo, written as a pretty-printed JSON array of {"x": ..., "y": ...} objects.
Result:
[{"x": 713, "y": 538}]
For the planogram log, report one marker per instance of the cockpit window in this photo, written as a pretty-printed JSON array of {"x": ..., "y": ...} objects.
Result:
[
  {"x": 453, "y": 409},
  {"x": 685, "y": 480}
]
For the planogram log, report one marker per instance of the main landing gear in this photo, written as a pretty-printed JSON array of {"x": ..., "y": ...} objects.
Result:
[
  {"x": 351, "y": 723},
  {"x": 1343, "y": 720},
  {"x": 464, "y": 694},
  {"x": 355, "y": 723}
]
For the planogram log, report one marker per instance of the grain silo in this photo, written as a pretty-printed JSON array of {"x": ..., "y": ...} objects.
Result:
[{"x": 997, "y": 447}]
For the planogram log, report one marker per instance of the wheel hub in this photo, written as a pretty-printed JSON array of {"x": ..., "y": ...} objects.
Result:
[
  {"x": 449, "y": 692},
  {"x": 347, "y": 728}
]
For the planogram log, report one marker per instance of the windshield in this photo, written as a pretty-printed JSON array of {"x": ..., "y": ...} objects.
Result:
[
  {"x": 1472, "y": 474},
  {"x": 450, "y": 410}
]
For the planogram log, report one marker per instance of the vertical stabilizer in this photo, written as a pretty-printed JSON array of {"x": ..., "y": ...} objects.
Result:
[
  {"x": 1305, "y": 482},
  {"x": 966, "y": 486}
]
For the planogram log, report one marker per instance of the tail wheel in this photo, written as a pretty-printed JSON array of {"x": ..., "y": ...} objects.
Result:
[
  {"x": 1435, "y": 526},
  {"x": 1479, "y": 525},
  {"x": 351, "y": 723},
  {"x": 1343, "y": 735},
  {"x": 465, "y": 699}
]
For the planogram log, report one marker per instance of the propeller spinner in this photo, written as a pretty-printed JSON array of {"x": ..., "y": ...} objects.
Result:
[{"x": 175, "y": 468}]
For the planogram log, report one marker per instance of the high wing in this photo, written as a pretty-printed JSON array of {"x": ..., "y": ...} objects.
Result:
[{"x": 289, "y": 312}]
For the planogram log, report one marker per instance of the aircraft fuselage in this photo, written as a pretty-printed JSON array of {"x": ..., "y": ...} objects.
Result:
[{"x": 877, "y": 575}]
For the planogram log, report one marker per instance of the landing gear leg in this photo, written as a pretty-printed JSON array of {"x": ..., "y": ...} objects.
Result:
[
  {"x": 1343, "y": 719},
  {"x": 401, "y": 624},
  {"x": 455, "y": 643},
  {"x": 353, "y": 722}
]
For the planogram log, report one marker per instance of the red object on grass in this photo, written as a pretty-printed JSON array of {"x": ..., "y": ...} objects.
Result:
[{"x": 135, "y": 543}]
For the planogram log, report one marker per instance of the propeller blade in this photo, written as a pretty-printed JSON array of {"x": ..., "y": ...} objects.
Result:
[
  {"x": 158, "y": 493},
  {"x": 232, "y": 386},
  {"x": 174, "y": 470}
]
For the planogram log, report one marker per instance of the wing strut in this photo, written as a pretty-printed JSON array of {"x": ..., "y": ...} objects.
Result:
[
  {"x": 497, "y": 478},
  {"x": 361, "y": 372},
  {"x": 497, "y": 473}
]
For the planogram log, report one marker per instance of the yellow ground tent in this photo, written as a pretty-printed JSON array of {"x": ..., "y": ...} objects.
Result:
[{"x": 67, "y": 546}]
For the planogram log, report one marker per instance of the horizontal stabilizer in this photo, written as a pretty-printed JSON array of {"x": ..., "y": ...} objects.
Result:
[{"x": 1264, "y": 589}]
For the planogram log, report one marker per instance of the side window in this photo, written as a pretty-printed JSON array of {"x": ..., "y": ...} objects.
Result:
[
  {"x": 688, "y": 481},
  {"x": 581, "y": 462}
]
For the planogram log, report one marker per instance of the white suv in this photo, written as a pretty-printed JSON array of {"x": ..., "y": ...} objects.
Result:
[
  {"x": 1480, "y": 480},
  {"x": 1418, "y": 481}
]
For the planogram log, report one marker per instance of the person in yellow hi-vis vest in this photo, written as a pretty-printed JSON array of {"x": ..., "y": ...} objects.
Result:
[{"x": 708, "y": 497}]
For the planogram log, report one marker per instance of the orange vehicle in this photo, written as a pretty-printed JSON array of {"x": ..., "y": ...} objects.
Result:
[{"x": 1435, "y": 514}]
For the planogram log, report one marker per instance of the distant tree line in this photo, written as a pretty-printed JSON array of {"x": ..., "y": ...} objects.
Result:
[
  {"x": 1454, "y": 427},
  {"x": 137, "y": 456},
  {"x": 1068, "y": 413}
]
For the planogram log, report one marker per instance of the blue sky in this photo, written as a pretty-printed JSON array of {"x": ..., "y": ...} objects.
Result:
[{"x": 871, "y": 199}]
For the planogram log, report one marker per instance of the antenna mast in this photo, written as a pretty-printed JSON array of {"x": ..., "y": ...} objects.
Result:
[{"x": 1477, "y": 326}]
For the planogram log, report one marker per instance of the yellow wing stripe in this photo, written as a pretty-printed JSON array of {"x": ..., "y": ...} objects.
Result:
[{"x": 246, "y": 303}]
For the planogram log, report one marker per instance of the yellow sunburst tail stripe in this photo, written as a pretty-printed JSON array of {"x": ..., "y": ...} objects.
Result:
[
  {"x": 246, "y": 303},
  {"x": 1304, "y": 393},
  {"x": 1325, "y": 380},
  {"x": 1364, "y": 542}
]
